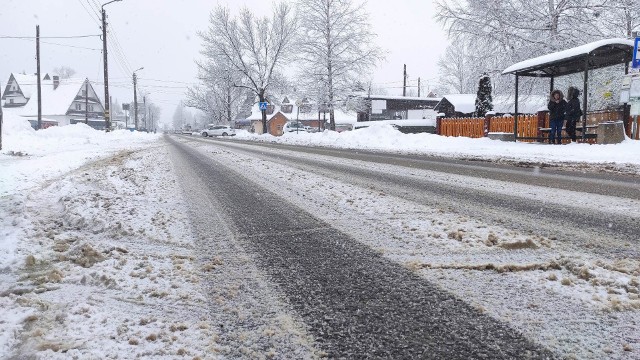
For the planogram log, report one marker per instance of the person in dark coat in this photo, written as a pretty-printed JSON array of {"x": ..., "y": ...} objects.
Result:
[
  {"x": 557, "y": 107},
  {"x": 573, "y": 112}
]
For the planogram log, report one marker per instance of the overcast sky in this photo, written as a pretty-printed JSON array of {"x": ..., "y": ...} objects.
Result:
[{"x": 161, "y": 36}]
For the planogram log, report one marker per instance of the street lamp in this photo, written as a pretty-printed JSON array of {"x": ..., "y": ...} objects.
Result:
[
  {"x": 107, "y": 117},
  {"x": 135, "y": 96}
]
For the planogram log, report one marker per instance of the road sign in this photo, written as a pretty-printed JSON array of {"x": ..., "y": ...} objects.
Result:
[
  {"x": 636, "y": 55},
  {"x": 263, "y": 105}
]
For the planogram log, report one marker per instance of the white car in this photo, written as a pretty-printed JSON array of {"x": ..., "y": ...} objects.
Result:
[
  {"x": 293, "y": 126},
  {"x": 218, "y": 130}
]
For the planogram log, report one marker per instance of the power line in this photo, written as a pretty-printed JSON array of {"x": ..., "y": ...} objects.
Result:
[
  {"x": 97, "y": 21},
  {"x": 64, "y": 45},
  {"x": 48, "y": 37}
]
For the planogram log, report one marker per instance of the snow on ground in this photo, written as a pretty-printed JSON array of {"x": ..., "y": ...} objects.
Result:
[
  {"x": 100, "y": 260},
  {"x": 624, "y": 156},
  {"x": 578, "y": 304}
]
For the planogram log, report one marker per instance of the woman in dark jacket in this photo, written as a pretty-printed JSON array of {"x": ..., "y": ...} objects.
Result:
[
  {"x": 573, "y": 112},
  {"x": 557, "y": 107}
]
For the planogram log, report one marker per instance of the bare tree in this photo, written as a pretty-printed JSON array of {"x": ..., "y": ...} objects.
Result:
[
  {"x": 64, "y": 72},
  {"x": 456, "y": 69},
  {"x": 622, "y": 17},
  {"x": 336, "y": 49},
  {"x": 220, "y": 97},
  {"x": 178, "y": 117},
  {"x": 497, "y": 34},
  {"x": 254, "y": 47}
]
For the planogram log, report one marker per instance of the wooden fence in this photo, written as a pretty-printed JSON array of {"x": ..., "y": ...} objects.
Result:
[
  {"x": 529, "y": 126},
  {"x": 466, "y": 127}
]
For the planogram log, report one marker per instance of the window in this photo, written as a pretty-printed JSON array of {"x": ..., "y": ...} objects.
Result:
[
  {"x": 287, "y": 109},
  {"x": 10, "y": 101},
  {"x": 84, "y": 93},
  {"x": 270, "y": 109},
  {"x": 78, "y": 107},
  {"x": 90, "y": 107}
]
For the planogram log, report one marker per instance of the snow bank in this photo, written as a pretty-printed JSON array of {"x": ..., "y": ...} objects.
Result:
[
  {"x": 30, "y": 159},
  {"x": 19, "y": 137},
  {"x": 386, "y": 138}
]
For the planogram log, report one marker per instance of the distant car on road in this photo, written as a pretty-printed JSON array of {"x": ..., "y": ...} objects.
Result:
[{"x": 218, "y": 130}]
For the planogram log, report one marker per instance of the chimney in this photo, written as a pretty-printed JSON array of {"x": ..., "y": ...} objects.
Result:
[{"x": 56, "y": 81}]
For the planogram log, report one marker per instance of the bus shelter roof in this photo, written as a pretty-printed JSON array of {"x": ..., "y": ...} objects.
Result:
[{"x": 603, "y": 53}]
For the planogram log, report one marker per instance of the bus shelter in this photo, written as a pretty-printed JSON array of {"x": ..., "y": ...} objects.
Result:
[{"x": 581, "y": 59}]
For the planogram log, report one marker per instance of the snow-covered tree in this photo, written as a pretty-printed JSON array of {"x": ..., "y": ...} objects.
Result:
[
  {"x": 64, "y": 72},
  {"x": 178, "y": 117},
  {"x": 219, "y": 96},
  {"x": 255, "y": 47},
  {"x": 456, "y": 69},
  {"x": 621, "y": 17},
  {"x": 497, "y": 34},
  {"x": 337, "y": 49},
  {"x": 484, "y": 99}
]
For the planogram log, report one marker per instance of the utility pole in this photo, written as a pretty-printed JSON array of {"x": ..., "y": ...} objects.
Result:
[
  {"x": 144, "y": 102},
  {"x": 135, "y": 100},
  {"x": 418, "y": 87},
  {"x": 107, "y": 117},
  {"x": 135, "y": 97},
  {"x": 86, "y": 101},
  {"x": 106, "y": 70},
  {"x": 38, "y": 75},
  {"x": 404, "y": 86}
]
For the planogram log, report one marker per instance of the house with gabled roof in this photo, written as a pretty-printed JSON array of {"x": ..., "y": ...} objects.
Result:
[
  {"x": 65, "y": 101},
  {"x": 20, "y": 88}
]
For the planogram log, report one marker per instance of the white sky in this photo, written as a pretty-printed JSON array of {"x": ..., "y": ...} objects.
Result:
[{"x": 161, "y": 36}]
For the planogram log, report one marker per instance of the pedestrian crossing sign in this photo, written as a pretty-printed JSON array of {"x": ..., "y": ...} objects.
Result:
[{"x": 263, "y": 105}]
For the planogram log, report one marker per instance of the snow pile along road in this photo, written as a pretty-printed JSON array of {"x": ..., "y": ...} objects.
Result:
[
  {"x": 105, "y": 268},
  {"x": 377, "y": 137}
]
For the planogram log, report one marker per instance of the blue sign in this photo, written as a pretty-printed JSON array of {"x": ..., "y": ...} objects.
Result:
[
  {"x": 263, "y": 105},
  {"x": 636, "y": 55}
]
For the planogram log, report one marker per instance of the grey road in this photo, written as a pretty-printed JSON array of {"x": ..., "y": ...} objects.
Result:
[{"x": 358, "y": 304}]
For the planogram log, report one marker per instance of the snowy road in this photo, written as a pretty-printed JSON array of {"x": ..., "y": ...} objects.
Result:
[{"x": 384, "y": 254}]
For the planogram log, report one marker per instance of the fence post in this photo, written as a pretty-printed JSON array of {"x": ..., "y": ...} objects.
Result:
[
  {"x": 542, "y": 117},
  {"x": 487, "y": 122},
  {"x": 439, "y": 118}
]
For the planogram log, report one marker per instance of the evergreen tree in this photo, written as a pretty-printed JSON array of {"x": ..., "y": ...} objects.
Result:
[{"x": 484, "y": 100}]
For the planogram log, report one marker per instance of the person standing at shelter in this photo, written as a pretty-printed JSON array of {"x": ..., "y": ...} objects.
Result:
[
  {"x": 557, "y": 107},
  {"x": 573, "y": 112}
]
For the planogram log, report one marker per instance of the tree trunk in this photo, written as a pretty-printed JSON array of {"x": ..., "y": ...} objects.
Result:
[
  {"x": 229, "y": 104},
  {"x": 264, "y": 113}
]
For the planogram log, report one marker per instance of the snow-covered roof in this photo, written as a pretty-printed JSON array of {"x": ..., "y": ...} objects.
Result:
[
  {"x": 466, "y": 103},
  {"x": 54, "y": 102},
  {"x": 400, "y": 97},
  {"x": 565, "y": 57},
  {"x": 28, "y": 83},
  {"x": 340, "y": 116}
]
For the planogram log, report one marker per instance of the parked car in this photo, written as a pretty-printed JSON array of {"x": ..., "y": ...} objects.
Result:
[
  {"x": 343, "y": 127},
  {"x": 293, "y": 126},
  {"x": 218, "y": 130}
]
